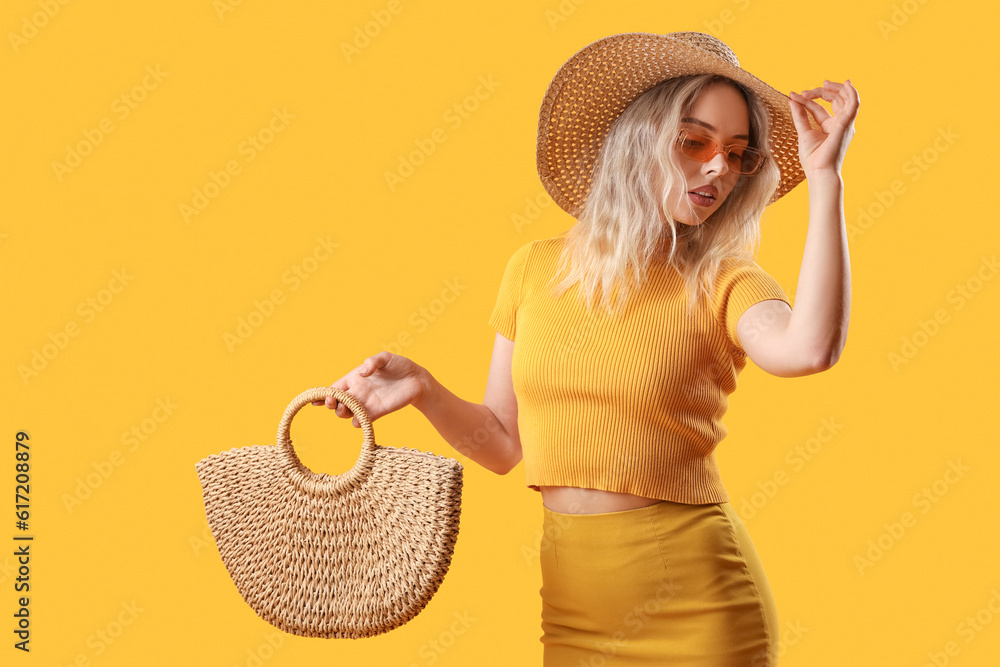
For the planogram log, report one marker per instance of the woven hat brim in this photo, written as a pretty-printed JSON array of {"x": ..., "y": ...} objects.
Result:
[{"x": 598, "y": 82}]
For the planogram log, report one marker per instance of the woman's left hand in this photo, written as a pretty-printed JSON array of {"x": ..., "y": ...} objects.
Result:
[{"x": 823, "y": 149}]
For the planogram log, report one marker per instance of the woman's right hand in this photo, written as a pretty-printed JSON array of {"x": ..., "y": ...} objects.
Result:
[{"x": 383, "y": 383}]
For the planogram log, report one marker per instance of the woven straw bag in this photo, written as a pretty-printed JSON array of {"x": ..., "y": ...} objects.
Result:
[{"x": 333, "y": 556}]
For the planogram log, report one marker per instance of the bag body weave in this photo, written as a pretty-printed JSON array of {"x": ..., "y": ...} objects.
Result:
[{"x": 333, "y": 556}]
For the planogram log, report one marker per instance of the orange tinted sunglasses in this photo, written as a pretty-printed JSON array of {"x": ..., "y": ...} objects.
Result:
[{"x": 701, "y": 148}]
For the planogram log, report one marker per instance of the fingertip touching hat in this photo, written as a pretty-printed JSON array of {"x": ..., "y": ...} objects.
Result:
[{"x": 602, "y": 79}]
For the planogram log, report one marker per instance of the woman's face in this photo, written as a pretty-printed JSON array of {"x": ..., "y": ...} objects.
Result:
[{"x": 721, "y": 113}]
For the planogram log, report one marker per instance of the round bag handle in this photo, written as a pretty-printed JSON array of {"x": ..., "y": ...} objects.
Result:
[{"x": 318, "y": 482}]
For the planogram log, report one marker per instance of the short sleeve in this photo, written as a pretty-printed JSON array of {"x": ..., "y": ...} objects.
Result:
[
  {"x": 504, "y": 317},
  {"x": 740, "y": 285}
]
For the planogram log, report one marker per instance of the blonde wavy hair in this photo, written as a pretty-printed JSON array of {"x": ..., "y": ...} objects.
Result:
[{"x": 625, "y": 222}]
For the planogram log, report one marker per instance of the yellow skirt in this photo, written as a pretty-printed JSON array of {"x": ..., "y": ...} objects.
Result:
[{"x": 668, "y": 584}]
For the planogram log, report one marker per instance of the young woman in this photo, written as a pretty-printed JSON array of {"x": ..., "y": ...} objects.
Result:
[{"x": 667, "y": 153}]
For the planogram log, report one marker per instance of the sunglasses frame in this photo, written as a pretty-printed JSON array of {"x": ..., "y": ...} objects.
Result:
[{"x": 683, "y": 133}]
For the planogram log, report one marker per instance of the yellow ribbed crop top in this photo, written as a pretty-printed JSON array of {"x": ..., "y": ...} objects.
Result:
[{"x": 630, "y": 403}]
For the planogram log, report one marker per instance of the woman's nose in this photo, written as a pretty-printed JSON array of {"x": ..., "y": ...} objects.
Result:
[{"x": 717, "y": 165}]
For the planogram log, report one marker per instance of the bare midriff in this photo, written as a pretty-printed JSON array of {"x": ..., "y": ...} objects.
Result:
[{"x": 578, "y": 500}]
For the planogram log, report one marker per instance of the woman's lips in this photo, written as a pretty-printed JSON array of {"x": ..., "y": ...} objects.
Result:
[{"x": 701, "y": 201}]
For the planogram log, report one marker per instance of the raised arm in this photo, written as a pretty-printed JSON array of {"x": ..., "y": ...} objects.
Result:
[{"x": 810, "y": 337}]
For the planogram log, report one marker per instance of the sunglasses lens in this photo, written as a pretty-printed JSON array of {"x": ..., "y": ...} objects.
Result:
[
  {"x": 751, "y": 162},
  {"x": 697, "y": 147},
  {"x": 702, "y": 148}
]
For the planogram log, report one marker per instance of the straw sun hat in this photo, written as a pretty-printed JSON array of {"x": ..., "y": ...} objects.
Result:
[{"x": 597, "y": 83}]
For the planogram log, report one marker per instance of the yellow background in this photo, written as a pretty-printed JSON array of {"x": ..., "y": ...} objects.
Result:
[{"x": 420, "y": 264}]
